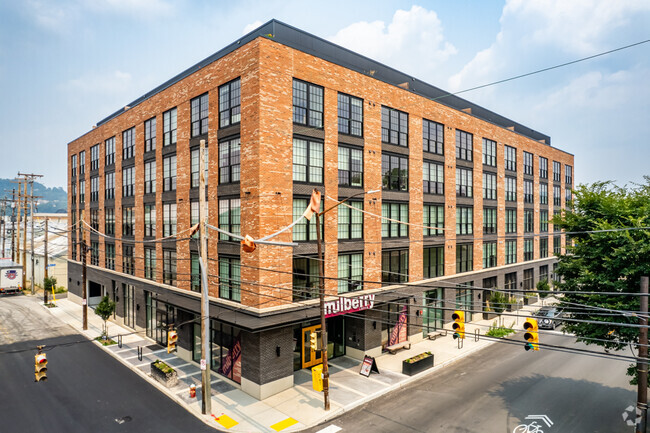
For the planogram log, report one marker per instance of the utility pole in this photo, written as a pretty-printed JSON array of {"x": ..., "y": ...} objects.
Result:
[
  {"x": 13, "y": 224},
  {"x": 29, "y": 177},
  {"x": 17, "y": 232},
  {"x": 642, "y": 363},
  {"x": 3, "y": 225},
  {"x": 45, "y": 265},
  {"x": 323, "y": 329},
  {"x": 25, "y": 237},
  {"x": 206, "y": 393},
  {"x": 84, "y": 300}
]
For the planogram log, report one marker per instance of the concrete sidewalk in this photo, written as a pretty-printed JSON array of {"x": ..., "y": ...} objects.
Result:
[{"x": 291, "y": 410}]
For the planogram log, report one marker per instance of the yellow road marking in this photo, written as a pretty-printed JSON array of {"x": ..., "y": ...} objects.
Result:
[{"x": 284, "y": 424}]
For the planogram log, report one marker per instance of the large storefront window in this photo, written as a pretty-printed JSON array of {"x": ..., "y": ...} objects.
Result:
[
  {"x": 159, "y": 316},
  {"x": 129, "y": 305},
  {"x": 226, "y": 350},
  {"x": 464, "y": 300},
  {"x": 432, "y": 314}
]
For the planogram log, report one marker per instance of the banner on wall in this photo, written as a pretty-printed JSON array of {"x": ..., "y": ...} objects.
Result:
[
  {"x": 398, "y": 334},
  {"x": 231, "y": 365}
]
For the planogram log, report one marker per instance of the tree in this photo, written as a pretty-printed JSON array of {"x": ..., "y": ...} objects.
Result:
[
  {"x": 543, "y": 287},
  {"x": 606, "y": 261},
  {"x": 49, "y": 283},
  {"x": 498, "y": 303},
  {"x": 104, "y": 310}
]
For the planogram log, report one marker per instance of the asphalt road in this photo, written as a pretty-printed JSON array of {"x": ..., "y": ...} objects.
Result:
[
  {"x": 495, "y": 390},
  {"x": 87, "y": 389}
]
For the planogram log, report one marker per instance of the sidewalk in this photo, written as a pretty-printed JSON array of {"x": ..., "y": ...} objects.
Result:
[{"x": 291, "y": 410}]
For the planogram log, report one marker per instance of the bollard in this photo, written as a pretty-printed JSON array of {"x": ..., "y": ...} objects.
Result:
[
  {"x": 139, "y": 353},
  {"x": 119, "y": 341}
]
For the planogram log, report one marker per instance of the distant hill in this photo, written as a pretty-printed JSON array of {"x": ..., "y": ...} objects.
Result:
[{"x": 54, "y": 200}]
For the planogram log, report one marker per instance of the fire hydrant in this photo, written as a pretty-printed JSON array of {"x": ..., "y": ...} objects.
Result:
[{"x": 192, "y": 391}]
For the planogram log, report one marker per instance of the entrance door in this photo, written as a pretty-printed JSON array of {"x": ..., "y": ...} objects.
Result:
[
  {"x": 432, "y": 318},
  {"x": 310, "y": 357}
]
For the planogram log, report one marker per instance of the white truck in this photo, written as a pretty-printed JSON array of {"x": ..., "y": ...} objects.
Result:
[{"x": 11, "y": 276}]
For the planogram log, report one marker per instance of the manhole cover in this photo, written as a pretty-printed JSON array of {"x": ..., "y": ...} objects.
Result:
[{"x": 123, "y": 419}]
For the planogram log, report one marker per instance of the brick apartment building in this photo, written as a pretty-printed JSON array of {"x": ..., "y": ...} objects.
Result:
[{"x": 284, "y": 112}]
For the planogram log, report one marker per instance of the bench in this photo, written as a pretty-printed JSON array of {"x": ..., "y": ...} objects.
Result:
[
  {"x": 395, "y": 347},
  {"x": 435, "y": 334}
]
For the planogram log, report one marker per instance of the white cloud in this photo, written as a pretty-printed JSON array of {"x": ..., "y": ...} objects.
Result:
[
  {"x": 135, "y": 7},
  {"x": 252, "y": 26},
  {"x": 412, "y": 42}
]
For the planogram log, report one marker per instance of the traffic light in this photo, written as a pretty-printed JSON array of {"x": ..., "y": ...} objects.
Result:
[
  {"x": 313, "y": 340},
  {"x": 172, "y": 337},
  {"x": 531, "y": 335},
  {"x": 459, "y": 324},
  {"x": 40, "y": 367}
]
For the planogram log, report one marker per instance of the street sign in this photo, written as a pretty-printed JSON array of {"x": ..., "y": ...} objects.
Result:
[
  {"x": 51, "y": 264},
  {"x": 203, "y": 364}
]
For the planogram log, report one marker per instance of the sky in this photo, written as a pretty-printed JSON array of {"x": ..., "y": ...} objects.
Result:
[{"x": 66, "y": 64}]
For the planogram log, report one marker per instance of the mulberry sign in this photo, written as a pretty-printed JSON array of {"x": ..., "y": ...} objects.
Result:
[{"x": 349, "y": 305}]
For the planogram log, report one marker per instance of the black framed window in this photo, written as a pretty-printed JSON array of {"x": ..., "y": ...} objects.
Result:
[
  {"x": 464, "y": 145},
  {"x": 557, "y": 195},
  {"x": 433, "y": 176},
  {"x": 395, "y": 266},
  {"x": 128, "y": 143},
  {"x": 200, "y": 110},
  {"x": 82, "y": 162},
  {"x": 511, "y": 188},
  {"x": 568, "y": 197},
  {"x": 511, "y": 251},
  {"x": 529, "y": 221},
  {"x": 82, "y": 191},
  {"x": 109, "y": 186},
  {"x": 94, "y": 157},
  {"x": 543, "y": 193},
  {"x": 557, "y": 245},
  {"x": 433, "y": 261},
  {"x": 150, "y": 134},
  {"x": 556, "y": 227},
  {"x": 109, "y": 146},
  {"x": 543, "y": 168},
  {"x": 394, "y": 126},
  {"x": 229, "y": 217},
  {"x": 307, "y": 104},
  {"x": 528, "y": 249},
  {"x": 350, "y": 111},
  {"x": 94, "y": 218},
  {"x": 195, "y": 270},
  {"x": 350, "y": 166},
  {"x": 73, "y": 192},
  {"x": 169, "y": 267},
  {"x": 150, "y": 263},
  {"x": 528, "y": 163},
  {"x": 170, "y": 120},
  {"x": 395, "y": 172},
  {"x": 557, "y": 171},
  {"x": 128, "y": 182},
  {"x": 489, "y": 152},
  {"x": 73, "y": 164},
  {"x": 510, "y": 281},
  {"x": 433, "y": 137},
  {"x": 510, "y": 155},
  {"x": 305, "y": 279},
  {"x": 169, "y": 173},
  {"x": 489, "y": 220},
  {"x": 169, "y": 219},
  {"x": 150, "y": 177},
  {"x": 489, "y": 186},
  {"x": 109, "y": 256},
  {"x": 528, "y": 191},
  {"x": 543, "y": 221},
  {"x": 543, "y": 249},
  {"x": 464, "y": 258},
  {"x": 128, "y": 262},
  {"x": 195, "y": 161},
  {"x": 464, "y": 220},
  {"x": 150, "y": 220},
  {"x": 464, "y": 182},
  {"x": 568, "y": 175},
  {"x": 229, "y": 160},
  {"x": 109, "y": 221},
  {"x": 230, "y": 103},
  {"x": 489, "y": 254},
  {"x": 305, "y": 230},
  {"x": 350, "y": 221},
  {"x": 392, "y": 213},
  {"x": 308, "y": 161},
  {"x": 511, "y": 220},
  {"x": 433, "y": 215},
  {"x": 94, "y": 188},
  {"x": 230, "y": 278},
  {"x": 128, "y": 221},
  {"x": 350, "y": 272}
]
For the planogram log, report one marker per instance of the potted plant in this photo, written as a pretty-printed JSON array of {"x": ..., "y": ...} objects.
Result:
[
  {"x": 164, "y": 374},
  {"x": 417, "y": 363}
]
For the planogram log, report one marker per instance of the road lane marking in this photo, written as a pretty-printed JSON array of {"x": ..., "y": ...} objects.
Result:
[{"x": 330, "y": 429}]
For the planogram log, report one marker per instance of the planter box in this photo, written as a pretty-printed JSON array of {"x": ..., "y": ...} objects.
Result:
[
  {"x": 411, "y": 368},
  {"x": 489, "y": 315},
  {"x": 168, "y": 379}
]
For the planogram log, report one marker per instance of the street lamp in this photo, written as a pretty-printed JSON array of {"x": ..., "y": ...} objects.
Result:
[{"x": 321, "y": 284}]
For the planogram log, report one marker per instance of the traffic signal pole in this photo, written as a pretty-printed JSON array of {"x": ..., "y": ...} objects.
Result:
[
  {"x": 642, "y": 364},
  {"x": 206, "y": 392}
]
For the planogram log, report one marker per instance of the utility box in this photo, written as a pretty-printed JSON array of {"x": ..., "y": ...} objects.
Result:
[
  {"x": 317, "y": 377},
  {"x": 11, "y": 276}
]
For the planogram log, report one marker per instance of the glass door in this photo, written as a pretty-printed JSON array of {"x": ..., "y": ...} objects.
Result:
[
  {"x": 432, "y": 314},
  {"x": 310, "y": 357}
]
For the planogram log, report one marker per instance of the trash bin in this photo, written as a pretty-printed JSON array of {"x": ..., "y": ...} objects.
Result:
[{"x": 317, "y": 377}]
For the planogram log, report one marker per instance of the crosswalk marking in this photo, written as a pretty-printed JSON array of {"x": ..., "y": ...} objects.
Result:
[{"x": 330, "y": 429}]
